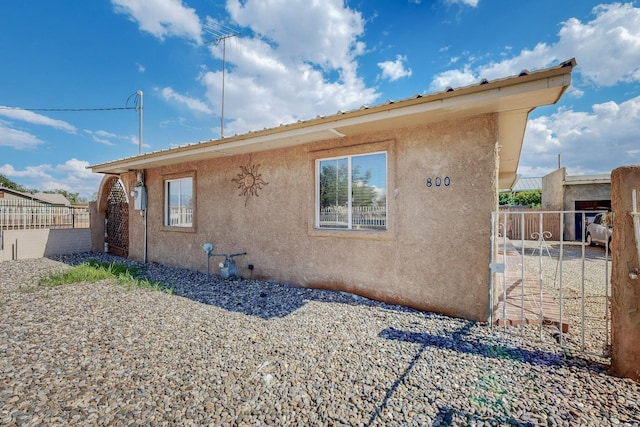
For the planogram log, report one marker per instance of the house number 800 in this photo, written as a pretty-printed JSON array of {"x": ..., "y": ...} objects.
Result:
[{"x": 438, "y": 182}]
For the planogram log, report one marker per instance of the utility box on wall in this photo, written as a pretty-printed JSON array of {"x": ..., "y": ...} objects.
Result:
[{"x": 139, "y": 195}]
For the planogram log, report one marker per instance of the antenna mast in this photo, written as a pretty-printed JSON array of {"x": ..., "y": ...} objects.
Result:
[
  {"x": 140, "y": 98},
  {"x": 137, "y": 102},
  {"x": 221, "y": 33}
]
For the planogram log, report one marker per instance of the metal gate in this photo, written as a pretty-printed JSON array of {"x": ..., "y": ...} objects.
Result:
[
  {"x": 117, "y": 221},
  {"x": 561, "y": 287}
]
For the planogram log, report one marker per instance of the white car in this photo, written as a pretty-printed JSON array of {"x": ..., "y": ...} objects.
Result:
[{"x": 600, "y": 229}]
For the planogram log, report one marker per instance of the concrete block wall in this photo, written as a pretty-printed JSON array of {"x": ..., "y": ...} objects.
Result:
[{"x": 24, "y": 244}]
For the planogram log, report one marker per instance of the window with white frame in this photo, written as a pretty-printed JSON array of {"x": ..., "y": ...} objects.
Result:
[
  {"x": 178, "y": 202},
  {"x": 351, "y": 192}
]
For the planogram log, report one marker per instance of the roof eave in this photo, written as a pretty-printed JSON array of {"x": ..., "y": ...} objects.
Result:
[{"x": 519, "y": 95}]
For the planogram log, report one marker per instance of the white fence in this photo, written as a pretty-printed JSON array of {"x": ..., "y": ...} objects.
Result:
[
  {"x": 373, "y": 217},
  {"x": 181, "y": 216},
  {"x": 30, "y": 215}
]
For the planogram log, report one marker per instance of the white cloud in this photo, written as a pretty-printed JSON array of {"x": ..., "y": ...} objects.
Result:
[
  {"x": 453, "y": 78},
  {"x": 141, "y": 68},
  {"x": 192, "y": 103},
  {"x": 607, "y": 49},
  {"x": 30, "y": 172},
  {"x": 107, "y": 138},
  {"x": 101, "y": 136},
  {"x": 598, "y": 141},
  {"x": 72, "y": 176},
  {"x": 10, "y": 137},
  {"x": 162, "y": 18},
  {"x": 394, "y": 70},
  {"x": 36, "y": 119},
  {"x": 301, "y": 62},
  {"x": 472, "y": 3},
  {"x": 321, "y": 32}
]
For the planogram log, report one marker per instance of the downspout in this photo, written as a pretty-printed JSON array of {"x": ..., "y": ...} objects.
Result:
[{"x": 144, "y": 200}]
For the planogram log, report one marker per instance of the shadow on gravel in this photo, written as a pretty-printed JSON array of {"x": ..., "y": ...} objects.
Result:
[
  {"x": 263, "y": 299},
  {"x": 456, "y": 341}
]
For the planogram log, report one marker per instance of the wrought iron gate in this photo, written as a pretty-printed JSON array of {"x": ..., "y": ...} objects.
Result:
[
  {"x": 539, "y": 278},
  {"x": 117, "y": 221}
]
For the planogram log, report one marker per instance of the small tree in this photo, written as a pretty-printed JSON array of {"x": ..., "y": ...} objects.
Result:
[
  {"x": 505, "y": 199},
  {"x": 7, "y": 183}
]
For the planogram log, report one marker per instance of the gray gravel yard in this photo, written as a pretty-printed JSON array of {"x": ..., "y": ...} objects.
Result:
[{"x": 259, "y": 353}]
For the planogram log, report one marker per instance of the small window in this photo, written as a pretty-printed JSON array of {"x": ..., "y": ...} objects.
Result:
[
  {"x": 351, "y": 192},
  {"x": 178, "y": 202}
]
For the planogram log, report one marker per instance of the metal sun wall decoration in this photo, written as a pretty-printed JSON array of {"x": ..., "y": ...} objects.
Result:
[{"x": 249, "y": 181}]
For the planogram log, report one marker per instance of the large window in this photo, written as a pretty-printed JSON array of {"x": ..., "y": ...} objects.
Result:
[
  {"x": 178, "y": 206},
  {"x": 351, "y": 192}
]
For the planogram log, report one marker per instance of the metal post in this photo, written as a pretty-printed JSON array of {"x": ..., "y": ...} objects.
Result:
[
  {"x": 541, "y": 238},
  {"x": 560, "y": 259},
  {"x": 582, "y": 346},
  {"x": 224, "y": 60},
  {"x": 522, "y": 268},
  {"x": 504, "y": 274},
  {"x": 141, "y": 96},
  {"x": 491, "y": 252}
]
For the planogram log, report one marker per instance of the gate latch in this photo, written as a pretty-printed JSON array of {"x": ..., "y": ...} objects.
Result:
[{"x": 496, "y": 267}]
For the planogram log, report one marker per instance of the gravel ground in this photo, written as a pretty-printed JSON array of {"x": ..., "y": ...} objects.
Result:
[
  {"x": 589, "y": 282},
  {"x": 259, "y": 353}
]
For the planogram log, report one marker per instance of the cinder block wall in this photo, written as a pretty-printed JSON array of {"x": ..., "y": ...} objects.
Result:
[{"x": 24, "y": 244}]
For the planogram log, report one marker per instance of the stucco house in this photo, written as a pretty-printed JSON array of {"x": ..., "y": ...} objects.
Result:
[
  {"x": 392, "y": 202},
  {"x": 562, "y": 192}
]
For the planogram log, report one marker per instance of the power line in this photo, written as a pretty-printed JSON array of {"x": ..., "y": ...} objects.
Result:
[
  {"x": 69, "y": 109},
  {"x": 137, "y": 105}
]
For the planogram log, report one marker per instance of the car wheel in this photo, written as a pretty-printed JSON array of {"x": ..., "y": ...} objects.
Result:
[{"x": 589, "y": 239}]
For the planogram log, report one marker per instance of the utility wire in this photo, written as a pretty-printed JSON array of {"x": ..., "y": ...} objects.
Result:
[
  {"x": 68, "y": 109},
  {"x": 136, "y": 102}
]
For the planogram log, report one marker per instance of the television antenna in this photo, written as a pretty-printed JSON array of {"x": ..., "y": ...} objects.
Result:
[{"x": 221, "y": 33}]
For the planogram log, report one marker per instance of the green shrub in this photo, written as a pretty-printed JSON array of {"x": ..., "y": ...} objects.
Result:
[{"x": 532, "y": 198}]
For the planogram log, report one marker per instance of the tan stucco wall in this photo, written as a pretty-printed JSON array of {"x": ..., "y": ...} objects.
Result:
[
  {"x": 625, "y": 268},
  {"x": 434, "y": 256},
  {"x": 97, "y": 227},
  {"x": 553, "y": 190}
]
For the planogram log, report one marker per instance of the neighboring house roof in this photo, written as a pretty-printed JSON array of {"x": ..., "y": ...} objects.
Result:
[
  {"x": 527, "y": 184},
  {"x": 513, "y": 98},
  {"x": 50, "y": 199},
  {"x": 54, "y": 199}
]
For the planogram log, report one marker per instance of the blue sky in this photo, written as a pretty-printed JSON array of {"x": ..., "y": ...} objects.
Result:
[{"x": 296, "y": 59}]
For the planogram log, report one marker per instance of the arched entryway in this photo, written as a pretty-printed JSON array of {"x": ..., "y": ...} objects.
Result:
[{"x": 115, "y": 203}]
